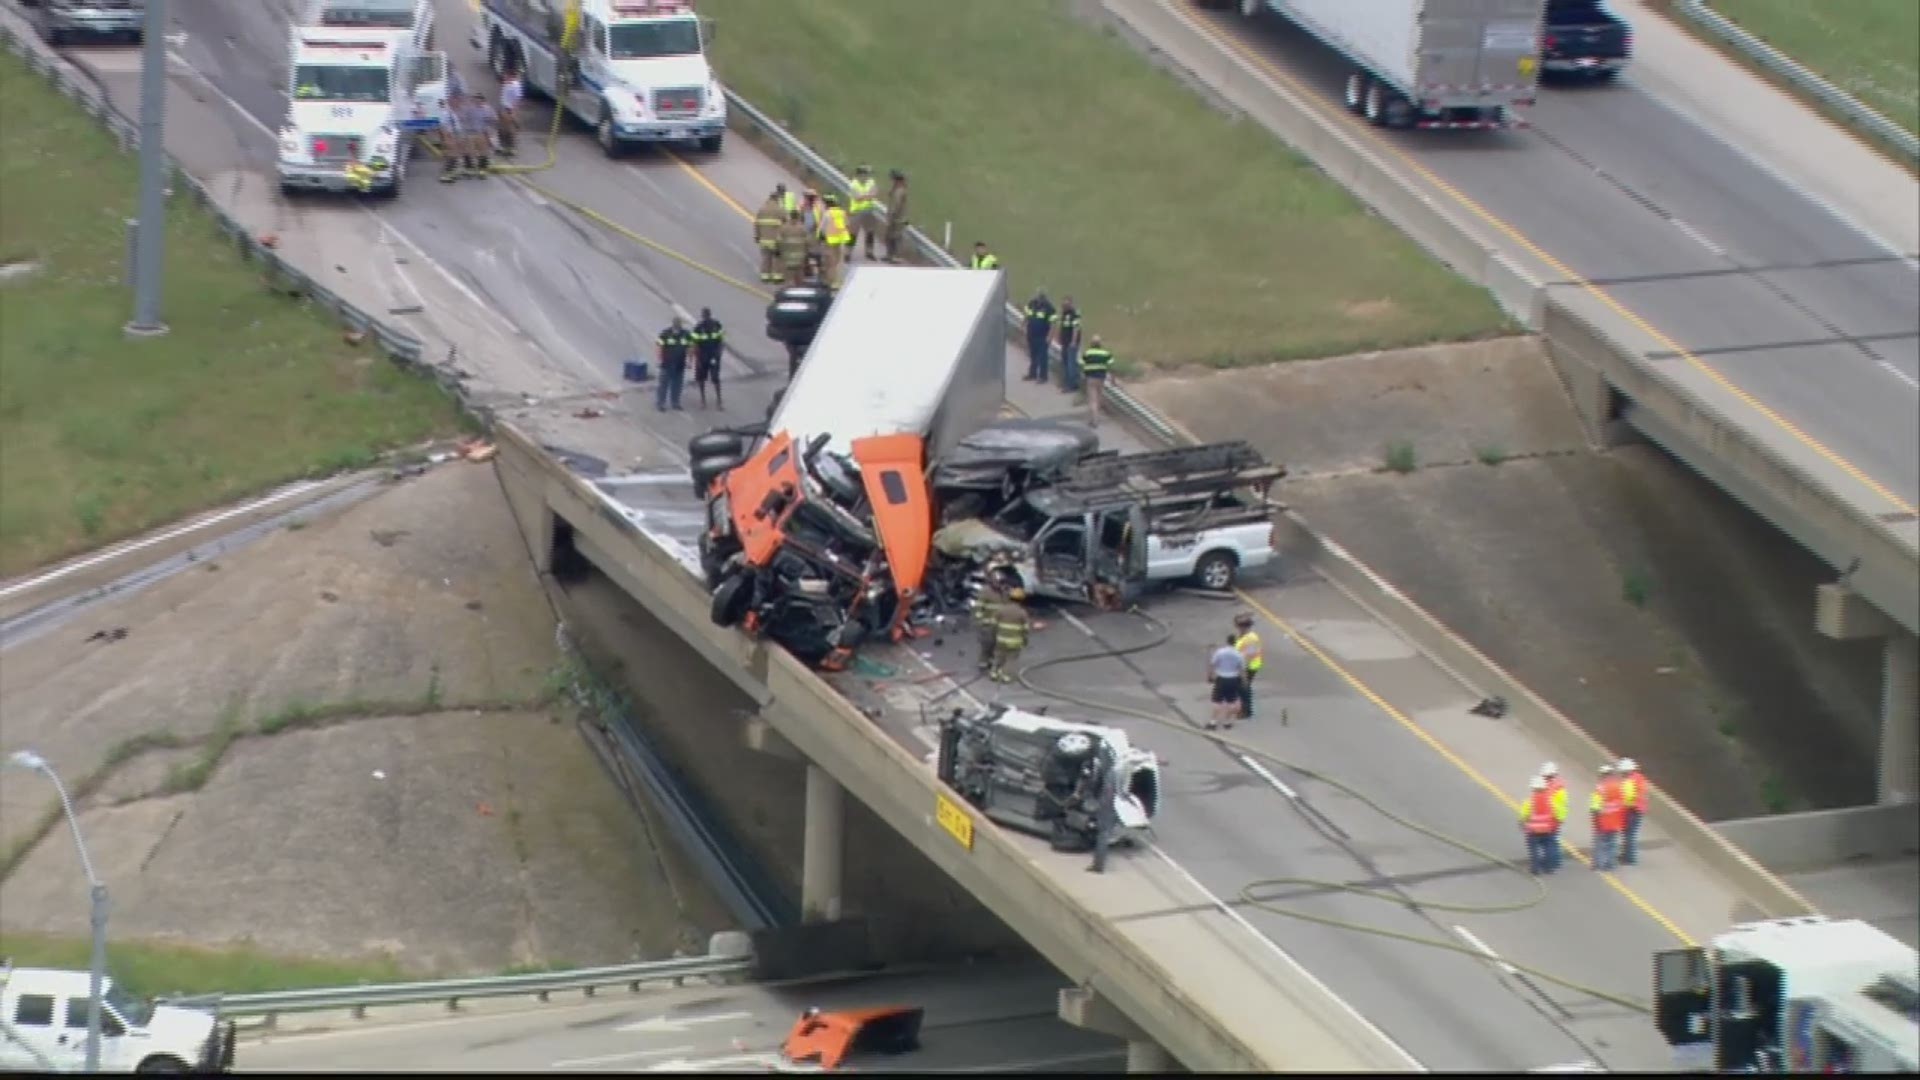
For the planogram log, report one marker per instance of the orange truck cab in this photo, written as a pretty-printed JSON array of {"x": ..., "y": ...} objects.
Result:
[{"x": 828, "y": 1038}]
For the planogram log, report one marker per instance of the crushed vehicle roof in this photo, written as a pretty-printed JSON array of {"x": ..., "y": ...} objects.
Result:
[{"x": 1040, "y": 446}]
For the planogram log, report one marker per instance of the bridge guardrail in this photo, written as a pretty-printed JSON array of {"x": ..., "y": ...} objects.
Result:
[
  {"x": 358, "y": 999},
  {"x": 1845, "y": 105}
]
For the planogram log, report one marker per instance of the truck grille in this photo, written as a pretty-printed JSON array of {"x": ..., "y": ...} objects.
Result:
[
  {"x": 335, "y": 147},
  {"x": 678, "y": 101}
]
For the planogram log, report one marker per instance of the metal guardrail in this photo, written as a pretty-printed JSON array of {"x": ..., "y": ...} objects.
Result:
[
  {"x": 358, "y": 999},
  {"x": 823, "y": 171},
  {"x": 1845, "y": 105},
  {"x": 280, "y": 274}
]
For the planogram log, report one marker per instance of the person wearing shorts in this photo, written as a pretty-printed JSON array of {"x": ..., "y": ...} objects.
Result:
[{"x": 1227, "y": 672}]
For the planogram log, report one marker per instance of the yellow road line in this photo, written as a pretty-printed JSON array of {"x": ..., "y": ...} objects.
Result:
[
  {"x": 1558, "y": 267},
  {"x": 1446, "y": 754},
  {"x": 701, "y": 179}
]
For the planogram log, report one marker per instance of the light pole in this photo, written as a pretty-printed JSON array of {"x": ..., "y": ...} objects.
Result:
[
  {"x": 27, "y": 759},
  {"x": 150, "y": 236}
]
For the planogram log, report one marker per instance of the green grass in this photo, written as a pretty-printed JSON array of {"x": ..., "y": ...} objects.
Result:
[
  {"x": 148, "y": 968},
  {"x": 1869, "y": 48},
  {"x": 1186, "y": 236},
  {"x": 102, "y": 437}
]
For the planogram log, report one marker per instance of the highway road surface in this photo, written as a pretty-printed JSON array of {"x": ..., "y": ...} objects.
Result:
[
  {"x": 978, "y": 1019},
  {"x": 1363, "y": 705},
  {"x": 1811, "y": 314}
]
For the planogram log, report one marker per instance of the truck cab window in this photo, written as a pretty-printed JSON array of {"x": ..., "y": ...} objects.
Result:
[
  {"x": 34, "y": 1010},
  {"x": 110, "y": 1025},
  {"x": 645, "y": 41}
]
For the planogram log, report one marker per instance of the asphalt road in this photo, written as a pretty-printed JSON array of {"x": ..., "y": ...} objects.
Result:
[
  {"x": 1806, "y": 312},
  {"x": 984, "y": 1019},
  {"x": 594, "y": 299}
]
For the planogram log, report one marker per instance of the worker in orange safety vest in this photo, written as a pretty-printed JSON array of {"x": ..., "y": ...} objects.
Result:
[
  {"x": 1609, "y": 809},
  {"x": 1551, "y": 774},
  {"x": 1540, "y": 823},
  {"x": 1633, "y": 788}
]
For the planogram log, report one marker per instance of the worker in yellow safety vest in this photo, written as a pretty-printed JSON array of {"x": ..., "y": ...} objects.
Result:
[
  {"x": 837, "y": 239},
  {"x": 766, "y": 233},
  {"x": 1247, "y": 640},
  {"x": 863, "y": 208}
]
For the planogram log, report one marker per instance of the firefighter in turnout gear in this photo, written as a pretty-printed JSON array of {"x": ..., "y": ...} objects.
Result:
[
  {"x": 793, "y": 248},
  {"x": 1105, "y": 820},
  {"x": 1011, "y": 625},
  {"x": 766, "y": 234},
  {"x": 838, "y": 240},
  {"x": 862, "y": 210},
  {"x": 896, "y": 216},
  {"x": 986, "y": 613}
]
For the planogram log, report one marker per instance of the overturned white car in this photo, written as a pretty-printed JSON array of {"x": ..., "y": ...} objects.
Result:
[{"x": 1044, "y": 775}]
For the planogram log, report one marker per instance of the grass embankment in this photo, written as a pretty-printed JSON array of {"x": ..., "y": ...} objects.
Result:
[
  {"x": 152, "y": 969},
  {"x": 102, "y": 436},
  {"x": 1185, "y": 235},
  {"x": 1869, "y": 48}
]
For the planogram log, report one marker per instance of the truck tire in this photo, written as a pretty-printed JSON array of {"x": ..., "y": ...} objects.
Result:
[
  {"x": 1373, "y": 106},
  {"x": 603, "y": 132},
  {"x": 716, "y": 444},
  {"x": 794, "y": 314},
  {"x": 1356, "y": 93},
  {"x": 705, "y": 469},
  {"x": 1251, "y": 8},
  {"x": 1217, "y": 570},
  {"x": 162, "y": 1063},
  {"x": 712, "y": 143},
  {"x": 818, "y": 295},
  {"x": 731, "y": 600}
]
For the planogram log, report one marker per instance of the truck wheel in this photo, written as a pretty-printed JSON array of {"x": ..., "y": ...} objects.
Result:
[
  {"x": 610, "y": 143},
  {"x": 1375, "y": 106},
  {"x": 1217, "y": 570},
  {"x": 716, "y": 444},
  {"x": 711, "y": 144},
  {"x": 707, "y": 468},
  {"x": 162, "y": 1063},
  {"x": 1251, "y": 8},
  {"x": 1356, "y": 95},
  {"x": 731, "y": 600}
]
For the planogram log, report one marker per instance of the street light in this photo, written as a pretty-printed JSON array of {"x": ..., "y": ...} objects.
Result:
[{"x": 27, "y": 759}]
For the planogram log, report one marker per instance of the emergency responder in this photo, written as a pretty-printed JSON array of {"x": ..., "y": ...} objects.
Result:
[
  {"x": 1094, "y": 364},
  {"x": 1633, "y": 790},
  {"x": 986, "y": 613},
  {"x": 862, "y": 209},
  {"x": 789, "y": 202},
  {"x": 896, "y": 215},
  {"x": 766, "y": 234},
  {"x": 673, "y": 344},
  {"x": 1558, "y": 787},
  {"x": 511, "y": 91},
  {"x": 1040, "y": 312},
  {"x": 1105, "y": 819},
  {"x": 793, "y": 247},
  {"x": 982, "y": 258},
  {"x": 709, "y": 337},
  {"x": 359, "y": 174},
  {"x": 1609, "y": 809},
  {"x": 452, "y": 139},
  {"x": 1011, "y": 627},
  {"x": 1247, "y": 640},
  {"x": 1540, "y": 825},
  {"x": 838, "y": 240},
  {"x": 813, "y": 210},
  {"x": 1068, "y": 338}
]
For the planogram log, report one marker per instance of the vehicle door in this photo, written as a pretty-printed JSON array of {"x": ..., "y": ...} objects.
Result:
[
  {"x": 115, "y": 1043},
  {"x": 1061, "y": 558},
  {"x": 33, "y": 1035},
  {"x": 1171, "y": 555},
  {"x": 425, "y": 90},
  {"x": 591, "y": 69}
]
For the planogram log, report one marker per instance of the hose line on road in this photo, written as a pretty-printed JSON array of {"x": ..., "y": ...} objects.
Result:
[{"x": 1260, "y": 893}]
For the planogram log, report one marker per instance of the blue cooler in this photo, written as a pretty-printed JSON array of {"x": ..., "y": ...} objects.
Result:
[{"x": 635, "y": 371}]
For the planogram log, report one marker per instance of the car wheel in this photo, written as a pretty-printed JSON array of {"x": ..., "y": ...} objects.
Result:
[{"x": 1217, "y": 571}]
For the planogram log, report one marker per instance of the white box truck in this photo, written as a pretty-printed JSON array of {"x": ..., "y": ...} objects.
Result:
[{"x": 1428, "y": 63}]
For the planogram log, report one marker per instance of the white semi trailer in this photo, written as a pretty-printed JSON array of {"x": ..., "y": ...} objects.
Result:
[{"x": 1428, "y": 63}]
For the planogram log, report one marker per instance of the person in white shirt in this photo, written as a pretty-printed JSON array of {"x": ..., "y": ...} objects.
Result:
[
  {"x": 1227, "y": 671},
  {"x": 511, "y": 91}
]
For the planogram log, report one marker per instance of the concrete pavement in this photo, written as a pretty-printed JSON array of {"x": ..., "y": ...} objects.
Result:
[{"x": 985, "y": 1019}]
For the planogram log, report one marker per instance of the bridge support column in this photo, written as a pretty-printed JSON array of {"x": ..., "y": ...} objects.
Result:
[
  {"x": 1084, "y": 1007},
  {"x": 1900, "y": 720},
  {"x": 823, "y": 847}
]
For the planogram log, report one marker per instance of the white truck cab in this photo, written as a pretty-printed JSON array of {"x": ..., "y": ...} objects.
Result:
[
  {"x": 43, "y": 1028},
  {"x": 357, "y": 95},
  {"x": 634, "y": 71}
]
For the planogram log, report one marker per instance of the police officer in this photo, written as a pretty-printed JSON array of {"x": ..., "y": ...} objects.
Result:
[
  {"x": 1247, "y": 640},
  {"x": 1039, "y": 314},
  {"x": 793, "y": 248},
  {"x": 766, "y": 234},
  {"x": 1011, "y": 627},
  {"x": 982, "y": 258},
  {"x": 1068, "y": 337},
  {"x": 1094, "y": 364},
  {"x": 861, "y": 209},
  {"x": 1105, "y": 820},
  {"x": 837, "y": 238},
  {"x": 673, "y": 344},
  {"x": 709, "y": 337},
  {"x": 896, "y": 215}
]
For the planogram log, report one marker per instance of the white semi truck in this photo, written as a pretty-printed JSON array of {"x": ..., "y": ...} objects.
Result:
[
  {"x": 634, "y": 71},
  {"x": 357, "y": 97},
  {"x": 1428, "y": 63}
]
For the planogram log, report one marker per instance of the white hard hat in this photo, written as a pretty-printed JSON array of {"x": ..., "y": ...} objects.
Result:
[
  {"x": 1549, "y": 769},
  {"x": 1606, "y": 770},
  {"x": 1539, "y": 783},
  {"x": 1627, "y": 764}
]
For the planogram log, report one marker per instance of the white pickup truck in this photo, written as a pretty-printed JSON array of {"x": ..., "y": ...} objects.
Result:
[{"x": 43, "y": 1028}]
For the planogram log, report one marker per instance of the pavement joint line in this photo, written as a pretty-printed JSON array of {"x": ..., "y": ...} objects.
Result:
[
  {"x": 1263, "y": 66},
  {"x": 1447, "y": 755}
]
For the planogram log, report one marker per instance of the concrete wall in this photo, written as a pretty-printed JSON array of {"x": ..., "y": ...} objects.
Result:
[{"x": 1790, "y": 842}]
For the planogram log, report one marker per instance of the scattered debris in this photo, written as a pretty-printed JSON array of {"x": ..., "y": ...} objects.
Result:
[
  {"x": 1493, "y": 708},
  {"x": 329, "y": 597},
  {"x": 269, "y": 241},
  {"x": 379, "y": 774},
  {"x": 410, "y": 309},
  {"x": 354, "y": 337},
  {"x": 588, "y": 414},
  {"x": 118, "y": 633}
]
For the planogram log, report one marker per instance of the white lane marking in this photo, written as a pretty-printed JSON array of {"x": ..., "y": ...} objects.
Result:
[
  {"x": 1261, "y": 771},
  {"x": 609, "y": 1059},
  {"x": 659, "y": 1025},
  {"x": 288, "y": 492},
  {"x": 1077, "y": 624},
  {"x": 1698, "y": 237},
  {"x": 765, "y": 1059},
  {"x": 1313, "y": 980},
  {"x": 1484, "y": 949},
  {"x": 223, "y": 96}
]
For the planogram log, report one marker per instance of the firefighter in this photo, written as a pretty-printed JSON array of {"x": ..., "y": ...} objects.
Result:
[
  {"x": 359, "y": 176},
  {"x": 1105, "y": 819},
  {"x": 1558, "y": 787},
  {"x": 838, "y": 240},
  {"x": 1094, "y": 365},
  {"x": 1247, "y": 640},
  {"x": 1609, "y": 809},
  {"x": 1011, "y": 627},
  {"x": 1633, "y": 789},
  {"x": 709, "y": 338},
  {"x": 896, "y": 215},
  {"x": 1039, "y": 313},
  {"x": 793, "y": 248},
  {"x": 985, "y": 610},
  {"x": 1540, "y": 824},
  {"x": 861, "y": 209},
  {"x": 813, "y": 210},
  {"x": 982, "y": 258},
  {"x": 766, "y": 234}
]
